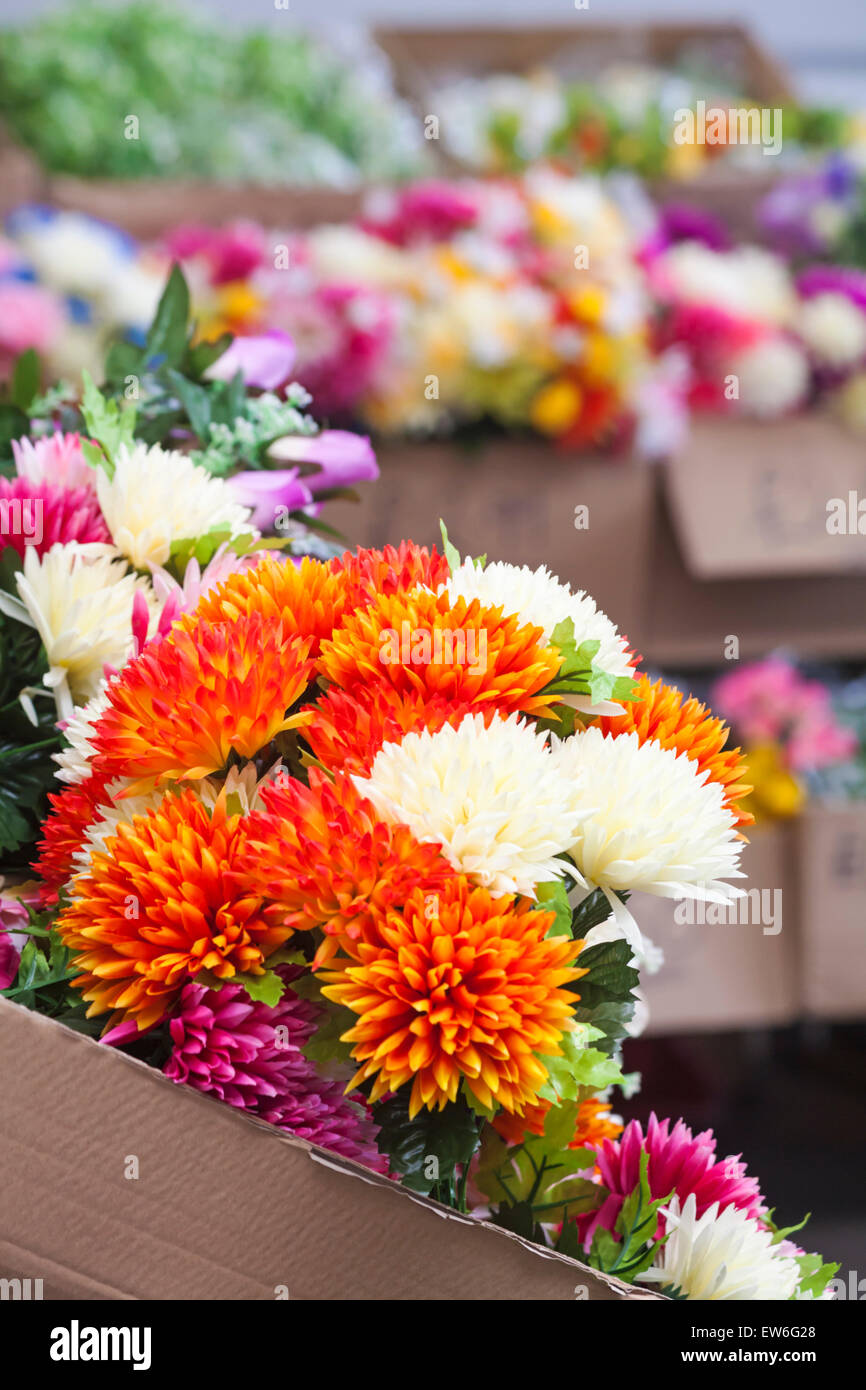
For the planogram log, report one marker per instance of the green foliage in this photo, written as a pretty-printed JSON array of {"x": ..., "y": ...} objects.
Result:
[
  {"x": 167, "y": 336},
  {"x": 553, "y": 897},
  {"x": 591, "y": 912},
  {"x": 44, "y": 975},
  {"x": 815, "y": 1275},
  {"x": 580, "y": 1068},
  {"x": 262, "y": 989},
  {"x": 607, "y": 1002},
  {"x": 579, "y": 675},
  {"x": 541, "y": 1179},
  {"x": 428, "y": 1149},
  {"x": 452, "y": 554},
  {"x": 636, "y": 1225},
  {"x": 109, "y": 423},
  {"x": 26, "y": 777},
  {"x": 25, "y": 380}
]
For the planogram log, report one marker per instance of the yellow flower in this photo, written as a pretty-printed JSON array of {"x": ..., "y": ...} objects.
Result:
[
  {"x": 600, "y": 360},
  {"x": 557, "y": 406},
  {"x": 776, "y": 792},
  {"x": 588, "y": 303}
]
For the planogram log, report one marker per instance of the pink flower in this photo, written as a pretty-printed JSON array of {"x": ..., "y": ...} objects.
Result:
[
  {"x": 231, "y": 253},
  {"x": 264, "y": 361},
  {"x": 30, "y": 317},
  {"x": 58, "y": 458},
  {"x": 678, "y": 1162},
  {"x": 250, "y": 1056},
  {"x": 771, "y": 702},
  {"x": 13, "y": 916},
  {"x": 424, "y": 212},
  {"x": 268, "y": 491},
  {"x": 342, "y": 458},
  {"x": 41, "y": 514}
]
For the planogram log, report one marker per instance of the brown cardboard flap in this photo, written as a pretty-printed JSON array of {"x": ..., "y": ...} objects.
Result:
[
  {"x": 223, "y": 1206},
  {"x": 750, "y": 500},
  {"x": 740, "y": 974}
]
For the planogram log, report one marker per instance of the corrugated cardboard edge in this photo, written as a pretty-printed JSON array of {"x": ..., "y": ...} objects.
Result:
[{"x": 84, "y": 1062}]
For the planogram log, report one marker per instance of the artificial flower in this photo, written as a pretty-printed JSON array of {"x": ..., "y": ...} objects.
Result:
[
  {"x": 264, "y": 361},
  {"x": 156, "y": 497},
  {"x": 720, "y": 1256},
  {"x": 346, "y": 731},
  {"x": 662, "y": 714},
  {"x": 472, "y": 989},
  {"x": 191, "y": 699},
  {"x": 56, "y": 458},
  {"x": 308, "y": 598},
  {"x": 158, "y": 908},
  {"x": 489, "y": 791},
  {"x": 325, "y": 860}
]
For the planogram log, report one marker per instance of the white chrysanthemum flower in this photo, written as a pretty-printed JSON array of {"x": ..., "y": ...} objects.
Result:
[
  {"x": 658, "y": 825},
  {"x": 73, "y": 761},
  {"x": 834, "y": 330},
  {"x": 721, "y": 1256},
  {"x": 492, "y": 797},
  {"x": 538, "y": 597},
  {"x": 158, "y": 496},
  {"x": 773, "y": 377},
  {"x": 79, "y": 597}
]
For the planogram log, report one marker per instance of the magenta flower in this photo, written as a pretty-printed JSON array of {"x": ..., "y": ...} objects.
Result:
[
  {"x": 265, "y": 361},
  {"x": 341, "y": 457},
  {"x": 230, "y": 253},
  {"x": 41, "y": 514},
  {"x": 834, "y": 279},
  {"x": 678, "y": 1162},
  {"x": 771, "y": 702},
  {"x": 269, "y": 492},
  {"x": 13, "y": 916},
  {"x": 250, "y": 1056},
  {"x": 424, "y": 212}
]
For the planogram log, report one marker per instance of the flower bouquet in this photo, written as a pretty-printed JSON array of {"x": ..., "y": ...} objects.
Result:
[
  {"x": 349, "y": 847},
  {"x": 121, "y": 507}
]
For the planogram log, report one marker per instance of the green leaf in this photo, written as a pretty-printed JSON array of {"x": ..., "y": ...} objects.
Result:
[
  {"x": 578, "y": 1067},
  {"x": 607, "y": 1001},
  {"x": 452, "y": 555},
  {"x": 107, "y": 422},
  {"x": 25, "y": 379},
  {"x": 195, "y": 401},
  {"x": 782, "y": 1233},
  {"x": 591, "y": 912},
  {"x": 262, "y": 989},
  {"x": 14, "y": 424},
  {"x": 815, "y": 1275},
  {"x": 553, "y": 897},
  {"x": 636, "y": 1225},
  {"x": 203, "y": 355},
  {"x": 426, "y": 1150},
  {"x": 167, "y": 335}
]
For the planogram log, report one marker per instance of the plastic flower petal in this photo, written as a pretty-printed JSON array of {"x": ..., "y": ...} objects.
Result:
[
  {"x": 721, "y": 1256},
  {"x": 57, "y": 459},
  {"x": 309, "y": 598},
  {"x": 80, "y": 600},
  {"x": 663, "y": 714},
  {"x": 160, "y": 906},
  {"x": 394, "y": 570},
  {"x": 325, "y": 860},
  {"x": 341, "y": 458},
  {"x": 490, "y": 793},
  {"x": 158, "y": 496},
  {"x": 191, "y": 699},
  {"x": 472, "y": 990},
  {"x": 418, "y": 641},
  {"x": 39, "y": 515},
  {"x": 658, "y": 825},
  {"x": 538, "y": 598},
  {"x": 249, "y": 1055},
  {"x": 346, "y": 731}
]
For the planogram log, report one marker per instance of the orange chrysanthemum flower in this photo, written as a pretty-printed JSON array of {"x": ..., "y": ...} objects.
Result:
[
  {"x": 346, "y": 730},
  {"x": 323, "y": 860},
  {"x": 191, "y": 699},
  {"x": 309, "y": 598},
  {"x": 593, "y": 1123},
  {"x": 63, "y": 830},
  {"x": 159, "y": 907},
  {"x": 464, "y": 652},
  {"x": 471, "y": 990},
  {"x": 663, "y": 714},
  {"x": 393, "y": 570}
]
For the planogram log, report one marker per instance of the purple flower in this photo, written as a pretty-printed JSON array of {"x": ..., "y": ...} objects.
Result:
[
  {"x": 268, "y": 491},
  {"x": 341, "y": 457},
  {"x": 264, "y": 361},
  {"x": 833, "y": 279}
]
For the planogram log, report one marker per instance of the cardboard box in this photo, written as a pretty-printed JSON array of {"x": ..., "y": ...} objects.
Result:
[
  {"x": 720, "y": 975},
  {"x": 831, "y": 861},
  {"x": 223, "y": 1207},
  {"x": 517, "y": 500},
  {"x": 422, "y": 56}
]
